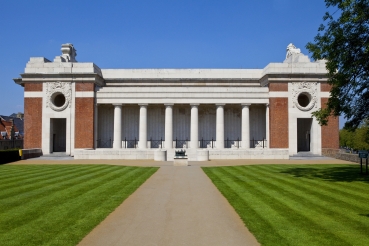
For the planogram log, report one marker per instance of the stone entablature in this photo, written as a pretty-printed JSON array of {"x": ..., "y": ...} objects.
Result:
[{"x": 252, "y": 107}]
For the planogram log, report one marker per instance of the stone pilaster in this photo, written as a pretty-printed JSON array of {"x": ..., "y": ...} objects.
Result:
[
  {"x": 117, "y": 143},
  {"x": 168, "y": 126},
  {"x": 245, "y": 128},
  {"x": 143, "y": 127},
  {"x": 220, "y": 126},
  {"x": 267, "y": 125},
  {"x": 194, "y": 126}
]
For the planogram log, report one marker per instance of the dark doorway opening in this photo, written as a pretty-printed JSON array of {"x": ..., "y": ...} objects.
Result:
[
  {"x": 304, "y": 134},
  {"x": 59, "y": 135}
]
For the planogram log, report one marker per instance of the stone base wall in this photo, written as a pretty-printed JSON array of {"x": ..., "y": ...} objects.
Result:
[
  {"x": 31, "y": 153},
  {"x": 148, "y": 154},
  {"x": 336, "y": 153}
]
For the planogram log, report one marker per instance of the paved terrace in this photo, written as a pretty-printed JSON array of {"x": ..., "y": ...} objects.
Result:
[
  {"x": 175, "y": 206},
  {"x": 151, "y": 163}
]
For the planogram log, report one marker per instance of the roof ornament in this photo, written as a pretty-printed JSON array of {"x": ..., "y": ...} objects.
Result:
[
  {"x": 291, "y": 49},
  {"x": 69, "y": 53},
  {"x": 294, "y": 55}
]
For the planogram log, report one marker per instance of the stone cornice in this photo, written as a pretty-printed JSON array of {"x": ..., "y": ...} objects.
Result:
[
  {"x": 303, "y": 77},
  {"x": 60, "y": 77}
]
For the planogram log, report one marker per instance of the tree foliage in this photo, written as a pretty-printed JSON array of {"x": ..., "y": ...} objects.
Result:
[
  {"x": 343, "y": 41},
  {"x": 357, "y": 139}
]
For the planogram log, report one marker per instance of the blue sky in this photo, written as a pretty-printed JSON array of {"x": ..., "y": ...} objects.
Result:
[{"x": 152, "y": 34}]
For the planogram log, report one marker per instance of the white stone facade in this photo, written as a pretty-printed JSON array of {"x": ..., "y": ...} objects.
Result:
[{"x": 224, "y": 112}]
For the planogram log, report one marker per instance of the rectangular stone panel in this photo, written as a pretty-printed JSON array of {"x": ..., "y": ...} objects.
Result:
[
  {"x": 232, "y": 122},
  {"x": 257, "y": 122},
  {"x": 207, "y": 122},
  {"x": 181, "y": 122}
]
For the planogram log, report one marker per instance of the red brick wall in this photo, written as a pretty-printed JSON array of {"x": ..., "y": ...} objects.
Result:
[
  {"x": 84, "y": 123},
  {"x": 32, "y": 122},
  {"x": 33, "y": 87},
  {"x": 278, "y": 122},
  {"x": 85, "y": 86},
  {"x": 330, "y": 132},
  {"x": 278, "y": 87},
  {"x": 325, "y": 87}
]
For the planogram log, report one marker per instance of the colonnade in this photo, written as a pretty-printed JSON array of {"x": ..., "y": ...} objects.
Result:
[{"x": 194, "y": 142}]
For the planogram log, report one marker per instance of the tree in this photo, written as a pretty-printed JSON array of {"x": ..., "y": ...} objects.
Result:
[
  {"x": 357, "y": 139},
  {"x": 344, "y": 43}
]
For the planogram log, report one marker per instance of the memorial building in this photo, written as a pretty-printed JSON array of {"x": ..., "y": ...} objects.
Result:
[{"x": 94, "y": 113}]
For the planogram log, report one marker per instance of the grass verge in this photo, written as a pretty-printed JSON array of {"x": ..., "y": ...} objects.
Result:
[
  {"x": 298, "y": 204},
  {"x": 60, "y": 204}
]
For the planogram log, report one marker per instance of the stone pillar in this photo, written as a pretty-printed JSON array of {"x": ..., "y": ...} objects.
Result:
[
  {"x": 168, "y": 126},
  {"x": 117, "y": 142},
  {"x": 96, "y": 120},
  {"x": 220, "y": 127},
  {"x": 245, "y": 126},
  {"x": 143, "y": 127},
  {"x": 194, "y": 126},
  {"x": 267, "y": 125}
]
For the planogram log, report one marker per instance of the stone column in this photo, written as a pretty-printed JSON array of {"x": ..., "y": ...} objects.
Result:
[
  {"x": 168, "y": 126},
  {"x": 245, "y": 126},
  {"x": 143, "y": 127},
  {"x": 194, "y": 126},
  {"x": 220, "y": 127},
  {"x": 96, "y": 120},
  {"x": 117, "y": 142},
  {"x": 267, "y": 125}
]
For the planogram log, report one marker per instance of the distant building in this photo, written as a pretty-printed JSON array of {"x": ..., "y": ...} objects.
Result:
[
  {"x": 11, "y": 132},
  {"x": 89, "y": 112}
]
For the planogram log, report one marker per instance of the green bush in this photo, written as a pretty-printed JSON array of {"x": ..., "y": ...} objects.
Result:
[{"x": 9, "y": 155}]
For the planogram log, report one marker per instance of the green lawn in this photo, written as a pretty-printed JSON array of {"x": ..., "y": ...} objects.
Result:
[
  {"x": 60, "y": 204},
  {"x": 298, "y": 204}
]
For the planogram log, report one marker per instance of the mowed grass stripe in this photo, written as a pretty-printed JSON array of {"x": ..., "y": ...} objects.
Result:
[
  {"x": 346, "y": 188},
  {"x": 288, "y": 210},
  {"x": 273, "y": 187},
  {"x": 36, "y": 172},
  {"x": 330, "y": 196},
  {"x": 69, "y": 189},
  {"x": 295, "y": 196},
  {"x": 98, "y": 209},
  {"x": 91, "y": 199},
  {"x": 65, "y": 215},
  {"x": 259, "y": 221},
  {"x": 10, "y": 171},
  {"x": 33, "y": 186},
  {"x": 273, "y": 220},
  {"x": 336, "y": 193},
  {"x": 7, "y": 174},
  {"x": 17, "y": 178}
]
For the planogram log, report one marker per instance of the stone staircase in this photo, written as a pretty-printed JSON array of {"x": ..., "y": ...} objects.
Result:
[{"x": 307, "y": 155}]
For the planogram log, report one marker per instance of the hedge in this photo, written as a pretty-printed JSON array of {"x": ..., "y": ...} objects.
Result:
[{"x": 10, "y": 155}]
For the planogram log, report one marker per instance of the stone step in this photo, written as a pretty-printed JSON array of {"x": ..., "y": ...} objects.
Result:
[{"x": 305, "y": 154}]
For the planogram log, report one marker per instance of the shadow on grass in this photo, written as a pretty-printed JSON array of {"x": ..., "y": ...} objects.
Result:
[{"x": 337, "y": 173}]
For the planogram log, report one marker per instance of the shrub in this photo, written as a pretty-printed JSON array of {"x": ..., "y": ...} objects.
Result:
[{"x": 9, "y": 155}]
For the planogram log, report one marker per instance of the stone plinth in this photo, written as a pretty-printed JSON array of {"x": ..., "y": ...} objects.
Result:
[
  {"x": 180, "y": 161},
  {"x": 202, "y": 155},
  {"x": 160, "y": 155}
]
